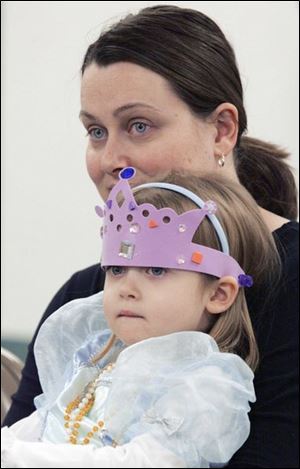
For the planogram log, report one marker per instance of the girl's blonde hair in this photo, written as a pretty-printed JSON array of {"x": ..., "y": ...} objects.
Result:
[{"x": 250, "y": 243}]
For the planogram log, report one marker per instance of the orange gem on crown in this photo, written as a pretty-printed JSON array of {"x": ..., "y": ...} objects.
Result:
[
  {"x": 197, "y": 257},
  {"x": 152, "y": 224}
]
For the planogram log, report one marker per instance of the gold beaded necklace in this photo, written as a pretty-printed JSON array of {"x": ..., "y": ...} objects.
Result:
[{"x": 80, "y": 407}]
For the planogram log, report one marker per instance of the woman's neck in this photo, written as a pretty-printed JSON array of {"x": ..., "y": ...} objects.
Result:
[{"x": 272, "y": 220}]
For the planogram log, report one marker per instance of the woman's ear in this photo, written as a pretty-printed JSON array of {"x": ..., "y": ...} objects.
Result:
[
  {"x": 224, "y": 294},
  {"x": 226, "y": 120}
]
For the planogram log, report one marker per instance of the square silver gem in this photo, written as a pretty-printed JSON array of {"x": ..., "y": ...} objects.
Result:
[{"x": 126, "y": 250}]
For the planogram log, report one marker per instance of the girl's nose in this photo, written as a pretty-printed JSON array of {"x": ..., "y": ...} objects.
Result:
[{"x": 129, "y": 286}]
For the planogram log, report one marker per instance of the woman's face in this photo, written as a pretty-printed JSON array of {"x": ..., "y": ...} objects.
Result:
[{"x": 133, "y": 118}]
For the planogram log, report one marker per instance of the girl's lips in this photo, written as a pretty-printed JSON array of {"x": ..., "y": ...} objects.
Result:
[{"x": 128, "y": 314}]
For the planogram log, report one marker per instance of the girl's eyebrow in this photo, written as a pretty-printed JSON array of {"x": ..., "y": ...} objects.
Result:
[{"x": 119, "y": 110}]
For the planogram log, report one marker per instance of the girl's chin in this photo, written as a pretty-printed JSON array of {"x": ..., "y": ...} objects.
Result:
[{"x": 128, "y": 339}]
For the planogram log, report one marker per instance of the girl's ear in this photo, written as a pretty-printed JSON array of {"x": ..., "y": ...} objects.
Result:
[{"x": 223, "y": 295}]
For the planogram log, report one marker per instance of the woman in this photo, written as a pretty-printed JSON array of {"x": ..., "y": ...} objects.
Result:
[{"x": 160, "y": 91}]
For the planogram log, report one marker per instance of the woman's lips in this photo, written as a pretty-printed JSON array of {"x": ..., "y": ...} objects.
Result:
[
  {"x": 128, "y": 314},
  {"x": 110, "y": 187}
]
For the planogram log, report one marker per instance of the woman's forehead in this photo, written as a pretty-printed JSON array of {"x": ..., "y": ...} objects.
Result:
[{"x": 124, "y": 84}]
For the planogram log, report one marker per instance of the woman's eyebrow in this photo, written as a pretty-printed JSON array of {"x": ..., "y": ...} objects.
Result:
[
  {"x": 119, "y": 110},
  {"x": 87, "y": 115},
  {"x": 128, "y": 106}
]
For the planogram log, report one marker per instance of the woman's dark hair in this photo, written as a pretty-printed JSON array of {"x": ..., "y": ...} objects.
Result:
[{"x": 191, "y": 52}]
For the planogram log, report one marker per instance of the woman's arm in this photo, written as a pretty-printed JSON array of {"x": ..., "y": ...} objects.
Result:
[
  {"x": 274, "y": 439},
  {"x": 274, "y": 436},
  {"x": 27, "y": 429}
]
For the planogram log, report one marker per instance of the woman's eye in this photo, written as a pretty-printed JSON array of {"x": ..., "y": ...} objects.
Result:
[
  {"x": 116, "y": 270},
  {"x": 96, "y": 133},
  {"x": 139, "y": 128},
  {"x": 156, "y": 271}
]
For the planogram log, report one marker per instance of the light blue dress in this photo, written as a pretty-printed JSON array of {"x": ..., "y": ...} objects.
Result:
[{"x": 193, "y": 399}]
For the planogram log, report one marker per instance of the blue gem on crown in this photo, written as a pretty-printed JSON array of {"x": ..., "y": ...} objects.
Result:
[{"x": 127, "y": 173}]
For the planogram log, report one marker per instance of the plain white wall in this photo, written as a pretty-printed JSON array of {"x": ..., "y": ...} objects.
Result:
[{"x": 49, "y": 227}]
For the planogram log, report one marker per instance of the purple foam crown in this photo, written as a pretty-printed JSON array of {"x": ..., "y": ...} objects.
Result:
[{"x": 144, "y": 236}]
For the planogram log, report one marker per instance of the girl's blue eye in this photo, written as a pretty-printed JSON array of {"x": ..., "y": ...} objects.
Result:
[
  {"x": 157, "y": 271},
  {"x": 96, "y": 133},
  {"x": 116, "y": 270}
]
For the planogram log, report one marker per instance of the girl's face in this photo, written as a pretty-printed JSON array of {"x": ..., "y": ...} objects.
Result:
[
  {"x": 133, "y": 118},
  {"x": 148, "y": 302}
]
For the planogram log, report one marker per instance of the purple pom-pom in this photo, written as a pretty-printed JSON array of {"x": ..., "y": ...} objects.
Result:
[{"x": 245, "y": 280}]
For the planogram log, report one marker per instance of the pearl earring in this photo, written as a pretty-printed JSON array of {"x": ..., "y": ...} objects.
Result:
[{"x": 221, "y": 160}]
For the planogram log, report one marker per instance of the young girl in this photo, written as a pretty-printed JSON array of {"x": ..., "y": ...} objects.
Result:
[{"x": 156, "y": 370}]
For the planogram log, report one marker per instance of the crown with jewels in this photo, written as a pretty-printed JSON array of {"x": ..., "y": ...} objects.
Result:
[{"x": 144, "y": 236}]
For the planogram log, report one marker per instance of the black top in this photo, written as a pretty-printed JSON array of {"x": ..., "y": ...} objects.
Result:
[{"x": 273, "y": 440}]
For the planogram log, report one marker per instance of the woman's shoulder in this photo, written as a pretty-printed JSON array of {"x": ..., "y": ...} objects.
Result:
[
  {"x": 274, "y": 309},
  {"x": 81, "y": 284},
  {"x": 287, "y": 232},
  {"x": 86, "y": 281},
  {"x": 287, "y": 241}
]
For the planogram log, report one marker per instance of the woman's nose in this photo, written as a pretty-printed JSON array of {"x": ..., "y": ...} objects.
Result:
[{"x": 115, "y": 156}]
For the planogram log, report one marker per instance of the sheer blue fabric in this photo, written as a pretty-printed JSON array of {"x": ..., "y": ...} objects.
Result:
[{"x": 191, "y": 397}]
